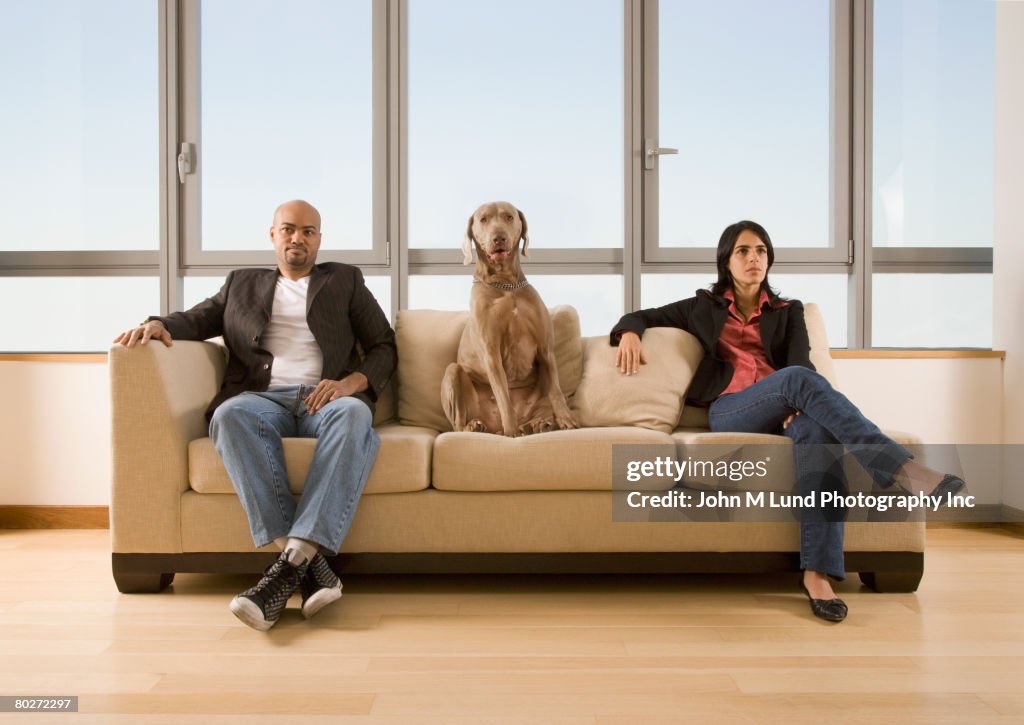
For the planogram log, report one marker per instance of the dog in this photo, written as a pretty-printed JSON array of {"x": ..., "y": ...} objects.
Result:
[{"x": 505, "y": 380}]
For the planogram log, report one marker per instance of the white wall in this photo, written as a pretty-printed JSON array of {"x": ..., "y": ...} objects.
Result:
[
  {"x": 54, "y": 433},
  {"x": 940, "y": 400},
  {"x": 1008, "y": 243}
]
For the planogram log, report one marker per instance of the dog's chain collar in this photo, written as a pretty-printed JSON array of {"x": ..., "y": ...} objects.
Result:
[{"x": 506, "y": 286}]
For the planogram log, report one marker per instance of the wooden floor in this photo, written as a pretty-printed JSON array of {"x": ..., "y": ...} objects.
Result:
[{"x": 506, "y": 649}]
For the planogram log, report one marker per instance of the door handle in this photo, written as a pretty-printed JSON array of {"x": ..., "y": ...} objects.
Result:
[
  {"x": 186, "y": 161},
  {"x": 651, "y": 150}
]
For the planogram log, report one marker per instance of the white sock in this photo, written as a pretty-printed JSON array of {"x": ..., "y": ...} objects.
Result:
[{"x": 300, "y": 550}]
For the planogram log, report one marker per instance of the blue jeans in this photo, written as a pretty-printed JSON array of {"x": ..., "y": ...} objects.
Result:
[
  {"x": 826, "y": 417},
  {"x": 247, "y": 431}
]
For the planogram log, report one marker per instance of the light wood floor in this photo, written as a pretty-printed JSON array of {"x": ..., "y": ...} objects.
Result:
[{"x": 505, "y": 649}]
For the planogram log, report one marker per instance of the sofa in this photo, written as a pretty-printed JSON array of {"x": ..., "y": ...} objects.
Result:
[{"x": 442, "y": 501}]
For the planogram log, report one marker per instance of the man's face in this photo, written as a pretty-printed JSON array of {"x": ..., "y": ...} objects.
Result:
[{"x": 296, "y": 237}]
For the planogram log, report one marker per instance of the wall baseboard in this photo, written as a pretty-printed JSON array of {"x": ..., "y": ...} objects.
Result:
[{"x": 54, "y": 517}]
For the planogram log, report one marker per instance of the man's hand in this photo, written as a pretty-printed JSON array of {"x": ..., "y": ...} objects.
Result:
[
  {"x": 789, "y": 419},
  {"x": 152, "y": 330},
  {"x": 630, "y": 354},
  {"x": 328, "y": 390}
]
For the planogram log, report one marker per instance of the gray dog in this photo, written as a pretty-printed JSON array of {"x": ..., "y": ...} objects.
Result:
[{"x": 505, "y": 380}]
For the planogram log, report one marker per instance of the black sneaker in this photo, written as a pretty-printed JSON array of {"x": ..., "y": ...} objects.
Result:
[
  {"x": 260, "y": 607},
  {"x": 320, "y": 586}
]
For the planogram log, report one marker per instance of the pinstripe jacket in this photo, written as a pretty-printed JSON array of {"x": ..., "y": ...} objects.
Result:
[{"x": 340, "y": 312}]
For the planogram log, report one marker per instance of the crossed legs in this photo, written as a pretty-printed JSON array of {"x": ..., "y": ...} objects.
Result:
[{"x": 826, "y": 417}]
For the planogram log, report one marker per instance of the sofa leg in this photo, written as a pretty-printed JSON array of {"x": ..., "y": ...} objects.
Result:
[
  {"x": 134, "y": 583},
  {"x": 893, "y": 582}
]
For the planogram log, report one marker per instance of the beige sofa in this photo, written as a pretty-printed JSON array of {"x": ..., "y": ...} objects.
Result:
[{"x": 443, "y": 501}]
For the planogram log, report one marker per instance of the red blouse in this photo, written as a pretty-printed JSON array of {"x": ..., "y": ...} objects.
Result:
[{"x": 740, "y": 345}]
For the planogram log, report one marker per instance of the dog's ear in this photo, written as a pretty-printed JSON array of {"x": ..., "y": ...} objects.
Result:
[
  {"x": 467, "y": 243},
  {"x": 526, "y": 233}
]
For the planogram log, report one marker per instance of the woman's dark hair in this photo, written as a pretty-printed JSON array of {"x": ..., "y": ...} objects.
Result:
[{"x": 725, "y": 247}]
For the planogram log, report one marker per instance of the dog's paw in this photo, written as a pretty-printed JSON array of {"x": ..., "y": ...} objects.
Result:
[
  {"x": 475, "y": 426},
  {"x": 541, "y": 425},
  {"x": 566, "y": 422}
]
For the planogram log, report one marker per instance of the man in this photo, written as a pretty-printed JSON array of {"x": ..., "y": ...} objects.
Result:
[{"x": 293, "y": 370}]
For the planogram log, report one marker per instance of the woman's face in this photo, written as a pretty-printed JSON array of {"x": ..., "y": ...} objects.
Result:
[{"x": 748, "y": 263}]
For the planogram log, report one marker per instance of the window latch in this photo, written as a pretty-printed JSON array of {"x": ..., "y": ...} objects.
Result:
[
  {"x": 652, "y": 150},
  {"x": 186, "y": 161}
]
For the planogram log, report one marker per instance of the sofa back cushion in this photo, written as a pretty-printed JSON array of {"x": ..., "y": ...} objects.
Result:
[
  {"x": 650, "y": 399},
  {"x": 428, "y": 342},
  {"x": 821, "y": 358}
]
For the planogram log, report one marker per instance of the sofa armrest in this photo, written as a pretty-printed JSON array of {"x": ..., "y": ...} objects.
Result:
[{"x": 158, "y": 400}]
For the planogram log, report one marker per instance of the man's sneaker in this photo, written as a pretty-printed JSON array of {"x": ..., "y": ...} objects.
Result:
[
  {"x": 320, "y": 586},
  {"x": 260, "y": 607}
]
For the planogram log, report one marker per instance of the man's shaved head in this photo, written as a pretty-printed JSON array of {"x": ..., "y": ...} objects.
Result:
[
  {"x": 296, "y": 237},
  {"x": 296, "y": 206}
]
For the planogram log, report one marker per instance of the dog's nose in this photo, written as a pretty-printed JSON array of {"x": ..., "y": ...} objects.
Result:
[{"x": 500, "y": 237}]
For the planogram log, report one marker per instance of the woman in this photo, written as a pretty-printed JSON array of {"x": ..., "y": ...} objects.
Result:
[{"x": 757, "y": 377}]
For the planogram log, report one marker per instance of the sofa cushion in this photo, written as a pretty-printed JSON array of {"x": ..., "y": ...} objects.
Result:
[
  {"x": 403, "y": 462},
  {"x": 775, "y": 450},
  {"x": 650, "y": 399},
  {"x": 385, "y": 410},
  {"x": 428, "y": 342},
  {"x": 558, "y": 461}
]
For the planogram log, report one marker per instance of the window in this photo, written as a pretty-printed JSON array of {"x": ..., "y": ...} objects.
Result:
[
  {"x": 520, "y": 102},
  {"x": 932, "y": 131},
  {"x": 750, "y": 93},
  {"x": 827, "y": 291},
  {"x": 967, "y": 323},
  {"x": 932, "y": 170},
  {"x": 597, "y": 298},
  {"x": 859, "y": 134},
  {"x": 281, "y": 100},
  {"x": 103, "y": 307},
  {"x": 80, "y": 126},
  {"x": 198, "y": 289}
]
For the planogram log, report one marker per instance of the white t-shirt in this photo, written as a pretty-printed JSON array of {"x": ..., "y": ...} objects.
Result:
[{"x": 297, "y": 357}]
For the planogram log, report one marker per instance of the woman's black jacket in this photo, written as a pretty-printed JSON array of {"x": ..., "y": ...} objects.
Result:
[{"x": 783, "y": 334}]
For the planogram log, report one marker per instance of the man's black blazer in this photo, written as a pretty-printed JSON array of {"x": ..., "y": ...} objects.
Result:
[
  {"x": 783, "y": 335},
  {"x": 340, "y": 311}
]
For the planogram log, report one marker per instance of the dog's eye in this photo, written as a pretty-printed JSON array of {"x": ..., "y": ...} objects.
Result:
[
  {"x": 508, "y": 217},
  {"x": 483, "y": 219}
]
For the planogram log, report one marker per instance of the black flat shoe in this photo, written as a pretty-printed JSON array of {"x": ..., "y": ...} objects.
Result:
[
  {"x": 831, "y": 610},
  {"x": 949, "y": 484}
]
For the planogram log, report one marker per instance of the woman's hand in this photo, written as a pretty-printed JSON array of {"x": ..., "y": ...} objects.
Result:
[
  {"x": 630, "y": 354},
  {"x": 789, "y": 419}
]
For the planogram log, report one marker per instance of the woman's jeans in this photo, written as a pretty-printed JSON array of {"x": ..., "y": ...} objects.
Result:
[
  {"x": 826, "y": 417},
  {"x": 247, "y": 431}
]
